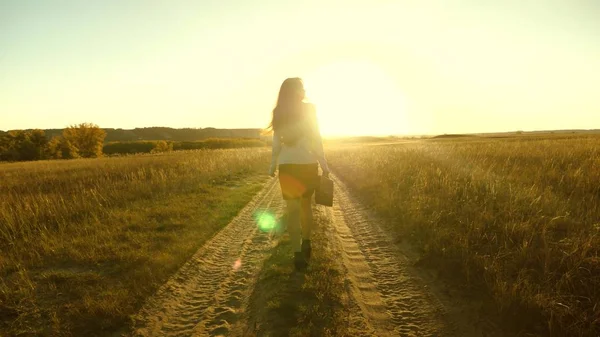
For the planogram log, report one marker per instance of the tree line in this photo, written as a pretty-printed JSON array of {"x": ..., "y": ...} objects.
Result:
[
  {"x": 168, "y": 134},
  {"x": 84, "y": 140},
  {"x": 87, "y": 140}
]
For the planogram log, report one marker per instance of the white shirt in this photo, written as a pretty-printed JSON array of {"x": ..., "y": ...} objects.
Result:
[{"x": 307, "y": 150}]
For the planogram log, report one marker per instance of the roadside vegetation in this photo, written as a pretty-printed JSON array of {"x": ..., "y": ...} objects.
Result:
[
  {"x": 519, "y": 218},
  {"x": 83, "y": 242}
]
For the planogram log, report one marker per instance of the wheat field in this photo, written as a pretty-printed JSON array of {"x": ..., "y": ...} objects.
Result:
[
  {"x": 520, "y": 216},
  {"x": 83, "y": 242}
]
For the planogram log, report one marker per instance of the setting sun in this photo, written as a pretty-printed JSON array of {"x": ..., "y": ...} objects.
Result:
[{"x": 356, "y": 98}]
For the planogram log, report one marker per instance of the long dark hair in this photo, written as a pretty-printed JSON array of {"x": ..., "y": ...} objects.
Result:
[{"x": 289, "y": 107}]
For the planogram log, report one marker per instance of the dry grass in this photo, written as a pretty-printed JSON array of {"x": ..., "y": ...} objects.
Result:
[
  {"x": 83, "y": 242},
  {"x": 520, "y": 216}
]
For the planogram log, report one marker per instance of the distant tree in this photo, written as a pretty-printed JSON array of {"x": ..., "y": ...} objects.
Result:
[
  {"x": 20, "y": 145},
  {"x": 52, "y": 148},
  {"x": 61, "y": 148},
  {"x": 8, "y": 151},
  {"x": 162, "y": 146},
  {"x": 24, "y": 146},
  {"x": 88, "y": 138},
  {"x": 39, "y": 140}
]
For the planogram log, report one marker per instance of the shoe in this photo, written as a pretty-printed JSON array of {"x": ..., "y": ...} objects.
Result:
[
  {"x": 306, "y": 249},
  {"x": 299, "y": 261}
]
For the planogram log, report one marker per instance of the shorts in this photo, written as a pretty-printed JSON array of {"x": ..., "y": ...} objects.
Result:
[{"x": 298, "y": 180}]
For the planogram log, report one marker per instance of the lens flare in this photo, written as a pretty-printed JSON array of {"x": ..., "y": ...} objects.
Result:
[
  {"x": 237, "y": 264},
  {"x": 266, "y": 221}
]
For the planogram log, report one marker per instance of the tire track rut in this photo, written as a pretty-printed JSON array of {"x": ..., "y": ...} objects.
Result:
[
  {"x": 208, "y": 295},
  {"x": 391, "y": 298}
]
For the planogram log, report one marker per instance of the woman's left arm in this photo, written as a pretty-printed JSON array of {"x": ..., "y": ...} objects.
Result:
[{"x": 318, "y": 142}]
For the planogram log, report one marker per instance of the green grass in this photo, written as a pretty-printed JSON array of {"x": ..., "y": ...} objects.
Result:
[
  {"x": 520, "y": 217},
  {"x": 84, "y": 242}
]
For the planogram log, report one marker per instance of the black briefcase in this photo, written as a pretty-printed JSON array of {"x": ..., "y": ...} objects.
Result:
[{"x": 324, "y": 193}]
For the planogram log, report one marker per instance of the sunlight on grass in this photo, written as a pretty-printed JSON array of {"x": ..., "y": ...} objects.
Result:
[
  {"x": 518, "y": 215},
  {"x": 104, "y": 233}
]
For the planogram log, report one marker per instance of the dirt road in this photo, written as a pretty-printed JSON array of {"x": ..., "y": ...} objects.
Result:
[{"x": 209, "y": 296}]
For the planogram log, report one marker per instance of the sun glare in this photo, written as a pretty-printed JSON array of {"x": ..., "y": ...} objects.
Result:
[{"x": 356, "y": 98}]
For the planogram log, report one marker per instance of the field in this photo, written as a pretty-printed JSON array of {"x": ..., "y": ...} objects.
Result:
[
  {"x": 134, "y": 147},
  {"x": 83, "y": 242},
  {"x": 509, "y": 225},
  {"x": 520, "y": 216}
]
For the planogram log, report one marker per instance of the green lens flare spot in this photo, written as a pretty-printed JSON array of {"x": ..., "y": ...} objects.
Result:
[{"x": 266, "y": 221}]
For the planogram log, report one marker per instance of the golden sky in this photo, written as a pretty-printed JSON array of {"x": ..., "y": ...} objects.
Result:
[{"x": 371, "y": 67}]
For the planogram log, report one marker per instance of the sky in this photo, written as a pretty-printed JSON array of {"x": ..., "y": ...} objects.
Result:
[{"x": 372, "y": 67}]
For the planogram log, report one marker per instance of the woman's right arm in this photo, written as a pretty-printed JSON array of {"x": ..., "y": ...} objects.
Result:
[
  {"x": 321, "y": 153},
  {"x": 275, "y": 150}
]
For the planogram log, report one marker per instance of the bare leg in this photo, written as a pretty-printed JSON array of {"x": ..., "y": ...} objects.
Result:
[
  {"x": 293, "y": 223},
  {"x": 306, "y": 216}
]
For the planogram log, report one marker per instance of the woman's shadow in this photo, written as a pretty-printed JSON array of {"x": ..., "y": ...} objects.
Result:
[{"x": 278, "y": 296}]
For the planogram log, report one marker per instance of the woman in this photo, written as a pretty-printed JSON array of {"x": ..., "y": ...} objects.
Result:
[{"x": 297, "y": 151}]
